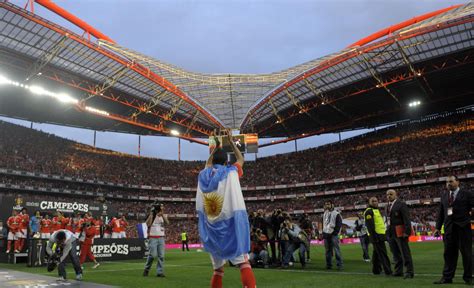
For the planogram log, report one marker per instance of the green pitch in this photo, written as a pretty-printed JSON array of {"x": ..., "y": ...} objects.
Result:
[{"x": 193, "y": 269}]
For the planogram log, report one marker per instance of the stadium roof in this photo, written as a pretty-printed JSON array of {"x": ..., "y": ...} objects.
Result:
[{"x": 428, "y": 58}]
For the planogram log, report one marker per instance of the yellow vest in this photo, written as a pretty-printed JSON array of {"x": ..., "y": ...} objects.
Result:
[
  {"x": 183, "y": 236},
  {"x": 378, "y": 220}
]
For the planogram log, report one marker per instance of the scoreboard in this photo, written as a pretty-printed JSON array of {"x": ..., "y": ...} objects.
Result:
[{"x": 246, "y": 143}]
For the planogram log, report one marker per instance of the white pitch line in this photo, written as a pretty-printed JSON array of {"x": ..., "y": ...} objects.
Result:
[{"x": 285, "y": 270}]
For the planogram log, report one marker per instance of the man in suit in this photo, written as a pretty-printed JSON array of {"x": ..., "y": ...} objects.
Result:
[
  {"x": 454, "y": 209},
  {"x": 398, "y": 231}
]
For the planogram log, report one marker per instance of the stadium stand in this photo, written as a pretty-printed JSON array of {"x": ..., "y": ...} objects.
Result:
[{"x": 413, "y": 156}]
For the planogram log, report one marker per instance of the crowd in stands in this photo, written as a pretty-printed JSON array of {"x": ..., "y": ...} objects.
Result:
[
  {"x": 401, "y": 146},
  {"x": 397, "y": 147},
  {"x": 298, "y": 202},
  {"x": 110, "y": 190},
  {"x": 51, "y": 183},
  {"x": 385, "y": 150},
  {"x": 31, "y": 150}
]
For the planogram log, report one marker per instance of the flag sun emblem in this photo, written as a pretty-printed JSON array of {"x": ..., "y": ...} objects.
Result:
[{"x": 213, "y": 203}]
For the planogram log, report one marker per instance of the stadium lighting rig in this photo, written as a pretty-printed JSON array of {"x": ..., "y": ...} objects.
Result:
[
  {"x": 97, "y": 111},
  {"x": 174, "y": 132},
  {"x": 40, "y": 91},
  {"x": 414, "y": 104},
  {"x": 37, "y": 90}
]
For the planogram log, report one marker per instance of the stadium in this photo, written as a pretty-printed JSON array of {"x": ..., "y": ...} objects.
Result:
[{"x": 406, "y": 86}]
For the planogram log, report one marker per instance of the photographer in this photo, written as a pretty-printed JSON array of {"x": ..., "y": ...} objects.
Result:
[
  {"x": 332, "y": 224},
  {"x": 61, "y": 245},
  {"x": 87, "y": 240},
  {"x": 307, "y": 227},
  {"x": 283, "y": 236},
  {"x": 156, "y": 239},
  {"x": 259, "y": 254},
  {"x": 297, "y": 241},
  {"x": 264, "y": 224},
  {"x": 276, "y": 221}
]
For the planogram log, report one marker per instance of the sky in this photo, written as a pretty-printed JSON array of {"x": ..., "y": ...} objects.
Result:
[{"x": 231, "y": 36}]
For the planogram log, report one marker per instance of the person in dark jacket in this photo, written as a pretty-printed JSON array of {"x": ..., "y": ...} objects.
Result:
[
  {"x": 455, "y": 207},
  {"x": 307, "y": 226},
  {"x": 376, "y": 231},
  {"x": 398, "y": 231}
]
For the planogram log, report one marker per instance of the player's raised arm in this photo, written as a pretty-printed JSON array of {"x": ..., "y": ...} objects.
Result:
[{"x": 211, "y": 156}]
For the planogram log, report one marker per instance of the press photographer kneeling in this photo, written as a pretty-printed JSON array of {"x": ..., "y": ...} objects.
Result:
[
  {"x": 297, "y": 240},
  {"x": 62, "y": 244},
  {"x": 258, "y": 256},
  {"x": 156, "y": 239}
]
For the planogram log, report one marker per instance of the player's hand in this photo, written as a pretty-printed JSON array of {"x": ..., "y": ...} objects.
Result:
[{"x": 437, "y": 233}]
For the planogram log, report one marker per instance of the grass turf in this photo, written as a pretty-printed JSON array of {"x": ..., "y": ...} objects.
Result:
[{"x": 193, "y": 269}]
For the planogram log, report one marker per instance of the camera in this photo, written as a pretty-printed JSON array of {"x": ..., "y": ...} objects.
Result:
[
  {"x": 54, "y": 259},
  {"x": 53, "y": 262},
  {"x": 155, "y": 207}
]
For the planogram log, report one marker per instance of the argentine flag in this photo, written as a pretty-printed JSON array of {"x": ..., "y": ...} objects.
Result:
[{"x": 223, "y": 220}]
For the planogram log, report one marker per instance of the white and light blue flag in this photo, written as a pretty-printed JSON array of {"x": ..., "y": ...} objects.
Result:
[{"x": 223, "y": 221}]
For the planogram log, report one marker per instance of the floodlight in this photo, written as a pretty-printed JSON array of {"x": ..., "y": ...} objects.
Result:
[
  {"x": 4, "y": 80},
  {"x": 174, "y": 132},
  {"x": 97, "y": 111},
  {"x": 66, "y": 98},
  {"x": 414, "y": 103},
  {"x": 37, "y": 90}
]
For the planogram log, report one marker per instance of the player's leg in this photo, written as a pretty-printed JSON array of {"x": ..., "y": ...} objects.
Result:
[
  {"x": 24, "y": 233},
  {"x": 246, "y": 274},
  {"x": 91, "y": 256},
  {"x": 17, "y": 242},
  {"x": 11, "y": 240},
  {"x": 218, "y": 266}
]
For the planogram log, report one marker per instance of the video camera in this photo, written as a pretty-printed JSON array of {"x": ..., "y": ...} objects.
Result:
[
  {"x": 155, "y": 207},
  {"x": 53, "y": 260}
]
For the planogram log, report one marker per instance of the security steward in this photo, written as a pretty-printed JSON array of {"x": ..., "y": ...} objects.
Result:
[
  {"x": 184, "y": 240},
  {"x": 399, "y": 229},
  {"x": 376, "y": 231}
]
